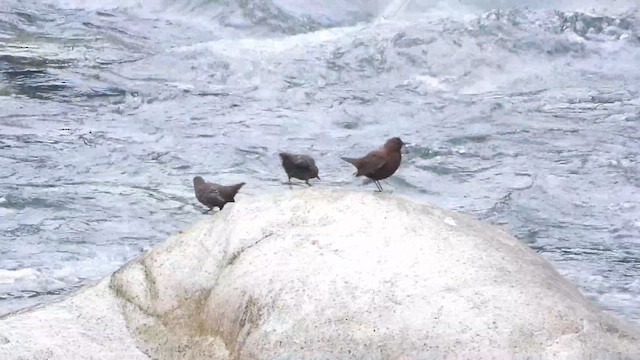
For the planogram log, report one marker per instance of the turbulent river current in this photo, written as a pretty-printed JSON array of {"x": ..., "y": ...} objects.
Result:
[{"x": 525, "y": 114}]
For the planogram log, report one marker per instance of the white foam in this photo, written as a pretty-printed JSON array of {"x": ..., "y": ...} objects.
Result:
[
  {"x": 6, "y": 212},
  {"x": 247, "y": 48},
  {"x": 29, "y": 278}
]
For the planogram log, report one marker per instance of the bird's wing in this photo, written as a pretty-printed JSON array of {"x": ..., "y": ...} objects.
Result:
[
  {"x": 371, "y": 162},
  {"x": 302, "y": 162},
  {"x": 213, "y": 196}
]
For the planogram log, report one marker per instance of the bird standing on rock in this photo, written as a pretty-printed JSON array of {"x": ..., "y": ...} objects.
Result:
[
  {"x": 381, "y": 163},
  {"x": 212, "y": 194},
  {"x": 299, "y": 166}
]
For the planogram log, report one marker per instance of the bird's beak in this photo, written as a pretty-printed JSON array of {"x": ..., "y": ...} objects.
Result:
[{"x": 318, "y": 177}]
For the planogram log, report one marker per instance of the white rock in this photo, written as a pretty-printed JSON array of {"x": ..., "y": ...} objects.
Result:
[
  {"x": 318, "y": 274},
  {"x": 88, "y": 325},
  {"x": 450, "y": 221}
]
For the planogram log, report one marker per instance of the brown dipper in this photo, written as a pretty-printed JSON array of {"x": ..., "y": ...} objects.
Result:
[
  {"x": 379, "y": 164},
  {"x": 212, "y": 194},
  {"x": 299, "y": 166}
]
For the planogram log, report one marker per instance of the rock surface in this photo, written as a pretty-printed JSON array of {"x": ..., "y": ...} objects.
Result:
[
  {"x": 319, "y": 274},
  {"x": 86, "y": 326}
]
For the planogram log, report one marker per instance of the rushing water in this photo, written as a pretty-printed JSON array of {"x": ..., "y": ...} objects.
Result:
[{"x": 522, "y": 113}]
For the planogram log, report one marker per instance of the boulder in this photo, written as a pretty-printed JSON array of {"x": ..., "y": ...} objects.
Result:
[
  {"x": 328, "y": 274},
  {"x": 86, "y": 326}
]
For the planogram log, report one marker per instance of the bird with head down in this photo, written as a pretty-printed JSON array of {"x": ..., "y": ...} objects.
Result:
[{"x": 299, "y": 166}]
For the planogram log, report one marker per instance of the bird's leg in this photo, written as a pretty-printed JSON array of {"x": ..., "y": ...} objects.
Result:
[
  {"x": 307, "y": 182},
  {"x": 206, "y": 211},
  {"x": 378, "y": 185}
]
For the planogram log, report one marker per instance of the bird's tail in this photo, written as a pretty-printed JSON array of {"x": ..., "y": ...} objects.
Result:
[
  {"x": 237, "y": 187},
  {"x": 234, "y": 190},
  {"x": 352, "y": 161}
]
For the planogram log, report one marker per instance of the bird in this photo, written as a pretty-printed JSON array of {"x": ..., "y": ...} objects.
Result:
[
  {"x": 212, "y": 194},
  {"x": 299, "y": 166},
  {"x": 381, "y": 163}
]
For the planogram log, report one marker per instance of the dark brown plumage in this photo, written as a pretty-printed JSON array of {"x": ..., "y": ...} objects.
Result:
[
  {"x": 299, "y": 166},
  {"x": 381, "y": 163},
  {"x": 212, "y": 194}
]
